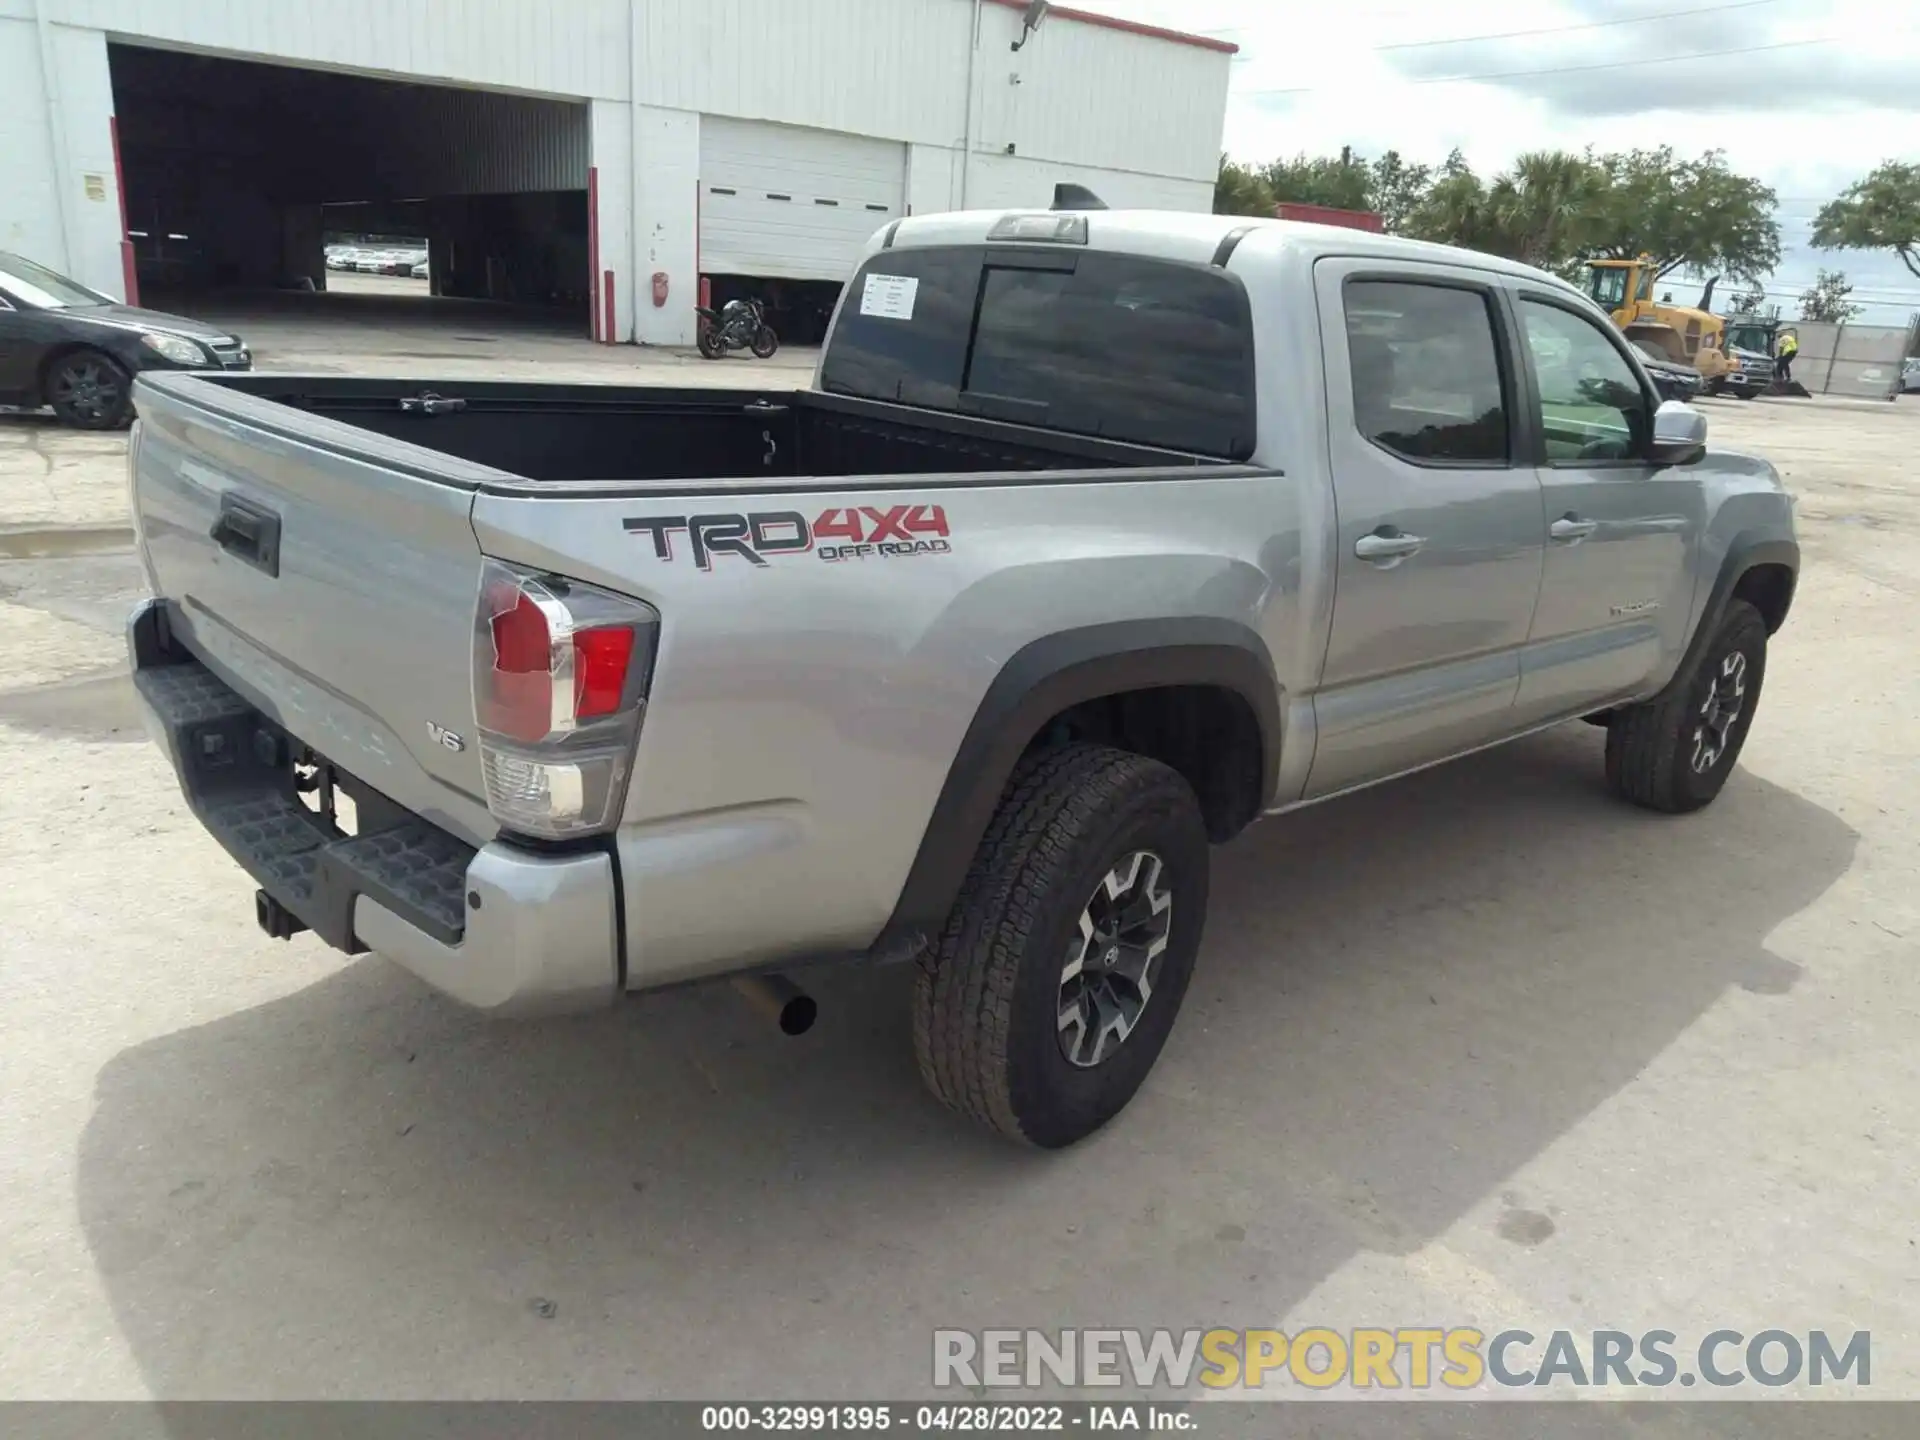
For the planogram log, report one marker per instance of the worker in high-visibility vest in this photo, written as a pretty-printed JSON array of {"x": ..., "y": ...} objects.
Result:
[{"x": 1783, "y": 360}]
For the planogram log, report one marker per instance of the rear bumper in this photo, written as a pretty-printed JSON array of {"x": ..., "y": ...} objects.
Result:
[{"x": 500, "y": 928}]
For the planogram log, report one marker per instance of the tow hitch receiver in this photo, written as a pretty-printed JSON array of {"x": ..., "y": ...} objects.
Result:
[{"x": 278, "y": 921}]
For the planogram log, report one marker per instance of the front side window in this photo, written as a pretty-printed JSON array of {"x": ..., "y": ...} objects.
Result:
[
  {"x": 1122, "y": 347},
  {"x": 1426, "y": 372},
  {"x": 1591, "y": 404},
  {"x": 41, "y": 288}
]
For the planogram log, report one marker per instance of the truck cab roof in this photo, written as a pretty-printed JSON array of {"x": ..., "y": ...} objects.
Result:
[{"x": 1197, "y": 238}]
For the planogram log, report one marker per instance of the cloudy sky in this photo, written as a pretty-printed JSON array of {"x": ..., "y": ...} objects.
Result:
[{"x": 1806, "y": 94}]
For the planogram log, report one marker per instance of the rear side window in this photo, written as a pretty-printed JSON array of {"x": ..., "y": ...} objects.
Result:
[
  {"x": 1148, "y": 351},
  {"x": 1427, "y": 383}
]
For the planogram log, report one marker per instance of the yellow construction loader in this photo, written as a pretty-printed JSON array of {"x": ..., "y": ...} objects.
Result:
[{"x": 1689, "y": 336}]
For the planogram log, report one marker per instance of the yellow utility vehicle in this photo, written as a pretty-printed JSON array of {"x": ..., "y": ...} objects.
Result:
[{"x": 1684, "y": 334}]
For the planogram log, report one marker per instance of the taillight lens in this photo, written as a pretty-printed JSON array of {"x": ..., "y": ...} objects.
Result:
[{"x": 560, "y": 674}]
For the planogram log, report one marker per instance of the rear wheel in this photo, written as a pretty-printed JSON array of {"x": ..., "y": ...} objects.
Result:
[
  {"x": 1057, "y": 979},
  {"x": 708, "y": 339},
  {"x": 1675, "y": 754},
  {"x": 88, "y": 390},
  {"x": 765, "y": 342}
]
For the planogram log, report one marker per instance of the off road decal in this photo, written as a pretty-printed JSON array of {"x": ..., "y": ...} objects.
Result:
[{"x": 854, "y": 532}]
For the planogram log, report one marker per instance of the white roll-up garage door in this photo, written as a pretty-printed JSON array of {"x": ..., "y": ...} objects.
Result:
[{"x": 791, "y": 203}]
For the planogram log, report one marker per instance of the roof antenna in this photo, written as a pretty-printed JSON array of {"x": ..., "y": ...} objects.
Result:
[{"x": 1068, "y": 196}]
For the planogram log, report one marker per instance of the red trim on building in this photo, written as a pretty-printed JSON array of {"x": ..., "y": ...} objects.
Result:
[
  {"x": 593, "y": 249},
  {"x": 129, "y": 271},
  {"x": 1132, "y": 27},
  {"x": 610, "y": 332}
]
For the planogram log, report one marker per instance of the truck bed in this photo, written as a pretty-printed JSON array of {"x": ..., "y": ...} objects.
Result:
[{"x": 545, "y": 433}]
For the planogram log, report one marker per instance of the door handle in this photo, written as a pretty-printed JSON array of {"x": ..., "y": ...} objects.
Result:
[
  {"x": 250, "y": 533},
  {"x": 1387, "y": 547},
  {"x": 1571, "y": 528}
]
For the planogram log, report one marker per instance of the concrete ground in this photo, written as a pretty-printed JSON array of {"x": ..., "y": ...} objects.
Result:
[
  {"x": 390, "y": 324},
  {"x": 1478, "y": 1048}
]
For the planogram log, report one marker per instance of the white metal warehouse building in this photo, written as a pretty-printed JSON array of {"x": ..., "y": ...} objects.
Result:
[{"x": 600, "y": 154}]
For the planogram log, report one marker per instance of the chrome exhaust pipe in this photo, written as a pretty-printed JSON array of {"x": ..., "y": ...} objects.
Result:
[{"x": 780, "y": 1000}]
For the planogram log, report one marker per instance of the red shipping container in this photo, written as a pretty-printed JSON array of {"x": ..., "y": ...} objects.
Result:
[{"x": 1327, "y": 215}]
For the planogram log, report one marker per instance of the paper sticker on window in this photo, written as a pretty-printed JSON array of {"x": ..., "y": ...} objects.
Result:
[{"x": 889, "y": 296}]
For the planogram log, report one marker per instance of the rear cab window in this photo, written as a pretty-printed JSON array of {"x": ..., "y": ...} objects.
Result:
[
  {"x": 1428, "y": 385},
  {"x": 1123, "y": 347}
]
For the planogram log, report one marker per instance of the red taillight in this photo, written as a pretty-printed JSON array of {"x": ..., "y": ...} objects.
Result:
[
  {"x": 600, "y": 659},
  {"x": 518, "y": 701},
  {"x": 540, "y": 663},
  {"x": 560, "y": 675}
]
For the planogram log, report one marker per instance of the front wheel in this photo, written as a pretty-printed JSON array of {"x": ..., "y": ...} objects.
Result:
[
  {"x": 88, "y": 390},
  {"x": 765, "y": 342},
  {"x": 1674, "y": 754},
  {"x": 1058, "y": 976}
]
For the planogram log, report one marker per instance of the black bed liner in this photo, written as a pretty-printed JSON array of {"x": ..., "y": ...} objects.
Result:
[{"x": 547, "y": 432}]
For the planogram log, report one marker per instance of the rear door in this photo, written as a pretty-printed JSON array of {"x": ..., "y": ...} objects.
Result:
[
  {"x": 327, "y": 574},
  {"x": 1617, "y": 589},
  {"x": 1438, "y": 505}
]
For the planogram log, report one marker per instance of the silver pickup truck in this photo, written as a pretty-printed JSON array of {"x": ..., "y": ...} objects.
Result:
[{"x": 1097, "y": 537}]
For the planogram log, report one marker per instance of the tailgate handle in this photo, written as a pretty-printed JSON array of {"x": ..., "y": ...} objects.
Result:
[
  {"x": 249, "y": 532},
  {"x": 431, "y": 404}
]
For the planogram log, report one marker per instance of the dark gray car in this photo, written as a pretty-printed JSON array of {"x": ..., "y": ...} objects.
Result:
[{"x": 64, "y": 345}]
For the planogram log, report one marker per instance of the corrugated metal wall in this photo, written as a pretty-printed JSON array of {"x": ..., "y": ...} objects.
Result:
[
  {"x": 566, "y": 47},
  {"x": 468, "y": 142},
  {"x": 1076, "y": 93},
  {"x": 1084, "y": 94}
]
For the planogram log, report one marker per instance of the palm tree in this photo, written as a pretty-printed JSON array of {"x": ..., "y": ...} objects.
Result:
[{"x": 1540, "y": 210}]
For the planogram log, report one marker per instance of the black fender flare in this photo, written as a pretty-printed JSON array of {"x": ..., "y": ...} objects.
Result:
[
  {"x": 1038, "y": 682},
  {"x": 1748, "y": 549}
]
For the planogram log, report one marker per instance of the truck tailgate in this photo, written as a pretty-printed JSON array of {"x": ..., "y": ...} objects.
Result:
[{"x": 328, "y": 576}]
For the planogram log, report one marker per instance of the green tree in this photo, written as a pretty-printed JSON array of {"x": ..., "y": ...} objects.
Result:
[
  {"x": 1395, "y": 189},
  {"x": 1826, "y": 299},
  {"x": 1543, "y": 210},
  {"x": 1697, "y": 215},
  {"x": 1239, "y": 190},
  {"x": 1748, "y": 301},
  {"x": 1343, "y": 181},
  {"x": 1454, "y": 209},
  {"x": 1881, "y": 212}
]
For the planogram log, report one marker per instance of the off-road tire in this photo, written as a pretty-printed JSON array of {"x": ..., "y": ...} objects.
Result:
[
  {"x": 89, "y": 391},
  {"x": 1651, "y": 747},
  {"x": 986, "y": 1001}
]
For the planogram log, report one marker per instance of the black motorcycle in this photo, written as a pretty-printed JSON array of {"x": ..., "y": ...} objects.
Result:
[{"x": 736, "y": 325}]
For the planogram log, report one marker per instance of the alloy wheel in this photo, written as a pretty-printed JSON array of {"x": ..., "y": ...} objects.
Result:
[
  {"x": 1719, "y": 712},
  {"x": 1113, "y": 959},
  {"x": 87, "y": 389}
]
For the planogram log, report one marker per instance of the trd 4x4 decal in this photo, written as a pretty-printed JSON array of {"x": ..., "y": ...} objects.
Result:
[{"x": 866, "y": 530}]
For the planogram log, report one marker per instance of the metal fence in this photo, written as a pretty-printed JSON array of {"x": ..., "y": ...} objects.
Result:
[{"x": 1860, "y": 360}]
